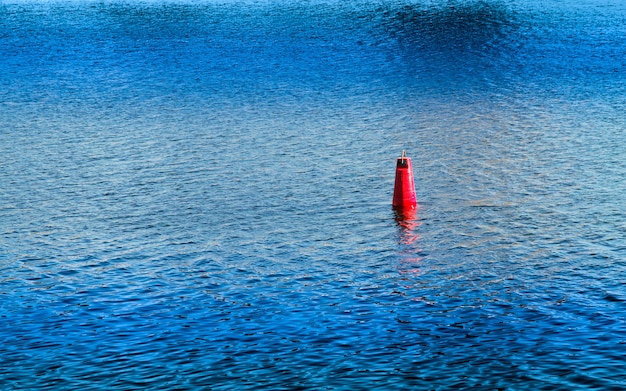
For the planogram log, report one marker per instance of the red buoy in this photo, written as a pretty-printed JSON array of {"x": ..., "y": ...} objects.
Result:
[{"x": 404, "y": 188}]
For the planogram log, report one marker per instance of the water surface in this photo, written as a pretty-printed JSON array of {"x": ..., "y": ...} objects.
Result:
[{"x": 196, "y": 195}]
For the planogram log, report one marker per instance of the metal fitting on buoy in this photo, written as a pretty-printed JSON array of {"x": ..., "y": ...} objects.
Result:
[{"x": 404, "y": 188}]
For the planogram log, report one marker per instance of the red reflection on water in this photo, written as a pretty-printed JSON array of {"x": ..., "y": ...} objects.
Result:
[
  {"x": 408, "y": 222},
  {"x": 413, "y": 272}
]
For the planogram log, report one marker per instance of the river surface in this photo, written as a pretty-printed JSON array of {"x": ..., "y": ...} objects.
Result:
[{"x": 196, "y": 195}]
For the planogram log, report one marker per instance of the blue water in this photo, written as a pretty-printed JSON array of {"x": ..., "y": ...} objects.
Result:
[{"x": 196, "y": 195}]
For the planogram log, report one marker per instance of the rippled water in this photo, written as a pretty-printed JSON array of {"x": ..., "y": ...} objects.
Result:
[{"x": 196, "y": 195}]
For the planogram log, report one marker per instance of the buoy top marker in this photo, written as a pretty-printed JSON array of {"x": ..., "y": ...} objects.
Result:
[{"x": 404, "y": 188}]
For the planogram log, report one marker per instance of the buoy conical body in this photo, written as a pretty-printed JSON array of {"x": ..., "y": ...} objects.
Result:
[{"x": 404, "y": 188}]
